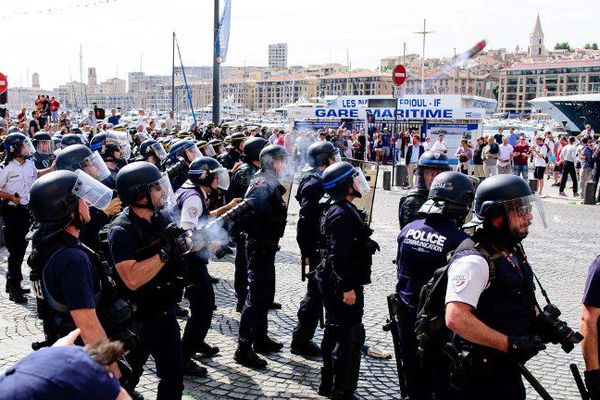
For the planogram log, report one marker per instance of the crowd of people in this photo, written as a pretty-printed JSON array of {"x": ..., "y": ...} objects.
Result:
[{"x": 123, "y": 221}]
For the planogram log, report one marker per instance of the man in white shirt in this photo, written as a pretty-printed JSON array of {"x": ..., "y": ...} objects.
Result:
[
  {"x": 17, "y": 174},
  {"x": 439, "y": 144},
  {"x": 413, "y": 152},
  {"x": 505, "y": 157},
  {"x": 568, "y": 157},
  {"x": 170, "y": 122},
  {"x": 426, "y": 144},
  {"x": 540, "y": 160}
]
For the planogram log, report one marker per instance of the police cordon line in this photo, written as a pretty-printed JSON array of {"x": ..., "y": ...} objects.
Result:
[{"x": 126, "y": 226}]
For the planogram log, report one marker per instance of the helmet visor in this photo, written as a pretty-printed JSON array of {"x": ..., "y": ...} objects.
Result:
[
  {"x": 158, "y": 150},
  {"x": 161, "y": 194},
  {"x": 27, "y": 149},
  {"x": 192, "y": 153},
  {"x": 92, "y": 191},
  {"x": 360, "y": 183},
  {"x": 223, "y": 178},
  {"x": 209, "y": 151},
  {"x": 44, "y": 146},
  {"x": 140, "y": 137},
  {"x": 337, "y": 157},
  {"x": 94, "y": 166},
  {"x": 523, "y": 212}
]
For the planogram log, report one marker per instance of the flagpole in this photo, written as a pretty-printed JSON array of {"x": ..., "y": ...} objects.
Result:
[
  {"x": 173, "y": 79},
  {"x": 216, "y": 107}
]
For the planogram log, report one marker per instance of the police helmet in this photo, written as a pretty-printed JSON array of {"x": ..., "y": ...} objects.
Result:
[
  {"x": 319, "y": 153},
  {"x": 502, "y": 194},
  {"x": 142, "y": 180},
  {"x": 451, "y": 194},
  {"x": 151, "y": 147},
  {"x": 203, "y": 171},
  {"x": 237, "y": 138},
  {"x": 54, "y": 196},
  {"x": 271, "y": 153},
  {"x": 184, "y": 148},
  {"x": 79, "y": 156},
  {"x": 252, "y": 148},
  {"x": 205, "y": 148},
  {"x": 217, "y": 145},
  {"x": 106, "y": 144},
  {"x": 43, "y": 143},
  {"x": 338, "y": 178},
  {"x": 71, "y": 139},
  {"x": 139, "y": 137},
  {"x": 76, "y": 130},
  {"x": 434, "y": 160},
  {"x": 14, "y": 142}
]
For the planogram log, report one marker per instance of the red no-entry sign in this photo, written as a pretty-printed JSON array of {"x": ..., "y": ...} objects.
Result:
[
  {"x": 399, "y": 75},
  {"x": 3, "y": 83}
]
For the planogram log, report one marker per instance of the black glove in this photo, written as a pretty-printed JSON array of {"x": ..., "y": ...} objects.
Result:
[
  {"x": 592, "y": 382},
  {"x": 175, "y": 240},
  {"x": 522, "y": 348},
  {"x": 372, "y": 246}
]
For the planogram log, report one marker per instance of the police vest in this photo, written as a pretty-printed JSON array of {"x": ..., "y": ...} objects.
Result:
[
  {"x": 308, "y": 221},
  {"x": 162, "y": 292},
  {"x": 241, "y": 180},
  {"x": 508, "y": 303},
  {"x": 410, "y": 205},
  {"x": 271, "y": 228}
]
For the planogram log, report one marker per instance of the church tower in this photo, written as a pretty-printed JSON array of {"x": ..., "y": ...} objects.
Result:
[{"x": 536, "y": 50}]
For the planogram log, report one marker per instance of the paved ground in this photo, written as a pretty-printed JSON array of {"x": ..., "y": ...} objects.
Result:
[{"x": 560, "y": 254}]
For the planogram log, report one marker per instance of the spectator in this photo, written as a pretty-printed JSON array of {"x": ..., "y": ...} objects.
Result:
[
  {"x": 464, "y": 154},
  {"x": 558, "y": 168},
  {"x": 549, "y": 141},
  {"x": 498, "y": 136},
  {"x": 89, "y": 120},
  {"x": 439, "y": 144},
  {"x": 114, "y": 118},
  {"x": 386, "y": 138},
  {"x": 46, "y": 113},
  {"x": 505, "y": 157},
  {"x": 54, "y": 107},
  {"x": 489, "y": 155},
  {"x": 34, "y": 124},
  {"x": 378, "y": 147},
  {"x": 513, "y": 137},
  {"x": 587, "y": 164},
  {"x": 587, "y": 132},
  {"x": 22, "y": 116},
  {"x": 413, "y": 153},
  {"x": 171, "y": 120},
  {"x": 426, "y": 143},
  {"x": 568, "y": 157},
  {"x": 477, "y": 160},
  {"x": 540, "y": 159},
  {"x": 521, "y": 157},
  {"x": 597, "y": 166}
]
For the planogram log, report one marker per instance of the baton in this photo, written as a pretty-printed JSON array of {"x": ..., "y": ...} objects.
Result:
[
  {"x": 580, "y": 385},
  {"x": 534, "y": 383}
]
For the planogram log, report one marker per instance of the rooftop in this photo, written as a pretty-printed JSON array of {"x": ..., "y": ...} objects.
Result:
[{"x": 573, "y": 63}]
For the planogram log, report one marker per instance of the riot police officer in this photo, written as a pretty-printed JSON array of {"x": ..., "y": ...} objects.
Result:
[
  {"x": 79, "y": 157},
  {"x": 151, "y": 151},
  {"x": 431, "y": 163},
  {"x": 232, "y": 156},
  {"x": 181, "y": 154},
  {"x": 320, "y": 155},
  {"x": 17, "y": 173},
  {"x": 423, "y": 246},
  {"x": 237, "y": 189},
  {"x": 44, "y": 150},
  {"x": 264, "y": 227},
  {"x": 346, "y": 249},
  {"x": 110, "y": 148},
  {"x": 217, "y": 145},
  {"x": 205, "y": 148},
  {"x": 205, "y": 176},
  {"x": 65, "y": 274},
  {"x": 147, "y": 248},
  {"x": 490, "y": 301},
  {"x": 70, "y": 139}
]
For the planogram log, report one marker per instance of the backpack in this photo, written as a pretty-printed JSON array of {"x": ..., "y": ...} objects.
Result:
[{"x": 430, "y": 326}]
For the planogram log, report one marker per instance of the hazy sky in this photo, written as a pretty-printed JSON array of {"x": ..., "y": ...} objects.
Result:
[{"x": 114, "y": 35}]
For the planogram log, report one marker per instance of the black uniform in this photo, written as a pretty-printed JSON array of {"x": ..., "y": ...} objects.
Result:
[
  {"x": 346, "y": 266},
  {"x": 310, "y": 192},
  {"x": 264, "y": 227},
  {"x": 129, "y": 236},
  {"x": 237, "y": 189},
  {"x": 410, "y": 205},
  {"x": 42, "y": 161},
  {"x": 229, "y": 158}
]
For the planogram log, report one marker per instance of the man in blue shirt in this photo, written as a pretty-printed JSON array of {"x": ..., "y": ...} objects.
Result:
[
  {"x": 114, "y": 118},
  {"x": 386, "y": 138}
]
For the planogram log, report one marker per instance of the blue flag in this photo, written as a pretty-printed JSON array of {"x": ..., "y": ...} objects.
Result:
[{"x": 223, "y": 37}]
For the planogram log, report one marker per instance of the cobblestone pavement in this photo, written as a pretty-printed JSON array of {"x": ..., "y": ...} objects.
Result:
[{"x": 560, "y": 254}]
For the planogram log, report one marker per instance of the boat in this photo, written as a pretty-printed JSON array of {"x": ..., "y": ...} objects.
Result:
[{"x": 572, "y": 112}]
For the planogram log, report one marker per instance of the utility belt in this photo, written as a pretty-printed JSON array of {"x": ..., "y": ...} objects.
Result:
[{"x": 262, "y": 246}]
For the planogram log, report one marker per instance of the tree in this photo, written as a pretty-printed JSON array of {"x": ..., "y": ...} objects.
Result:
[
  {"x": 594, "y": 46},
  {"x": 562, "y": 46},
  {"x": 587, "y": 46}
]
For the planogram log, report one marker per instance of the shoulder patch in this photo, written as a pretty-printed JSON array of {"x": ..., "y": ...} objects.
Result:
[{"x": 459, "y": 282}]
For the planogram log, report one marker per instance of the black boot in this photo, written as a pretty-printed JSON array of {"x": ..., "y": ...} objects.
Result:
[
  {"x": 267, "y": 345},
  {"x": 208, "y": 350},
  {"x": 14, "y": 294},
  {"x": 181, "y": 312},
  {"x": 190, "y": 368},
  {"x": 305, "y": 348},
  {"x": 326, "y": 385},
  {"x": 240, "y": 306},
  {"x": 245, "y": 356},
  {"x": 275, "y": 306}
]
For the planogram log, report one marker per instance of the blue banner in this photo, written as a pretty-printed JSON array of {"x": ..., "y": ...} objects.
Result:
[{"x": 223, "y": 37}]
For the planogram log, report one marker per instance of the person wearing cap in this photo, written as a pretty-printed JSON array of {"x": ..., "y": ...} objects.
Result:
[
  {"x": 17, "y": 174},
  {"x": 65, "y": 372}
]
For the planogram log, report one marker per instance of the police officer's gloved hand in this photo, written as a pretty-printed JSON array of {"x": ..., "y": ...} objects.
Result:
[
  {"x": 176, "y": 240},
  {"x": 372, "y": 246},
  {"x": 522, "y": 348},
  {"x": 592, "y": 382}
]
